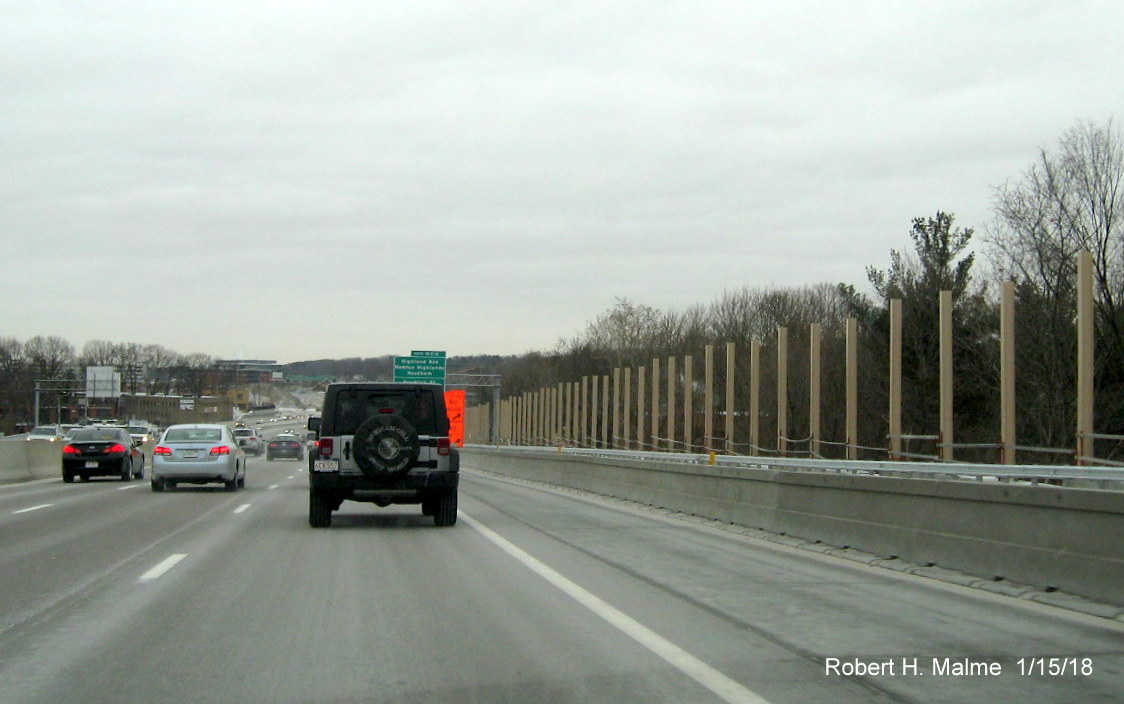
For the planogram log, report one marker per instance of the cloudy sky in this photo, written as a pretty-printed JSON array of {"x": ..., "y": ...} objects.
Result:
[{"x": 304, "y": 180}]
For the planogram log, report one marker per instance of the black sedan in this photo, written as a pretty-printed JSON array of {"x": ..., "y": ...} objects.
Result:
[
  {"x": 95, "y": 452},
  {"x": 284, "y": 446}
]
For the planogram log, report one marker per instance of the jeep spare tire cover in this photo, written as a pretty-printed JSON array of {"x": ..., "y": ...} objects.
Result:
[{"x": 386, "y": 444}]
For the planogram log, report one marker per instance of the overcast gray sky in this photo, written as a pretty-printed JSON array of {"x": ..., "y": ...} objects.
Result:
[{"x": 302, "y": 180}]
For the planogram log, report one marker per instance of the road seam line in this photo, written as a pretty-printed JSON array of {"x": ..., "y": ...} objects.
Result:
[{"x": 724, "y": 687}]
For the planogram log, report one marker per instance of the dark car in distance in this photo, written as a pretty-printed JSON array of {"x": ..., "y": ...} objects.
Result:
[
  {"x": 104, "y": 451},
  {"x": 284, "y": 446}
]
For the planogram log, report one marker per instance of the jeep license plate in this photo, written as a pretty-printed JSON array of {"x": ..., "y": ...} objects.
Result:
[{"x": 325, "y": 465}]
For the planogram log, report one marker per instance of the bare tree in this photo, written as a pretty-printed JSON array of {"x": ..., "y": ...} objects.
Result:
[
  {"x": 131, "y": 356},
  {"x": 12, "y": 357},
  {"x": 100, "y": 353},
  {"x": 191, "y": 373},
  {"x": 160, "y": 363},
  {"x": 1067, "y": 201},
  {"x": 15, "y": 384},
  {"x": 623, "y": 333},
  {"x": 52, "y": 357}
]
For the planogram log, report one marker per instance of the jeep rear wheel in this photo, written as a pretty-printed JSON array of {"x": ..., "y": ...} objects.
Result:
[
  {"x": 445, "y": 509},
  {"x": 386, "y": 445},
  {"x": 319, "y": 509}
]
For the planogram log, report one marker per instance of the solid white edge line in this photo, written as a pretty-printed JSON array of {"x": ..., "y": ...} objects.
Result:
[
  {"x": 32, "y": 508},
  {"x": 725, "y": 688},
  {"x": 158, "y": 571},
  {"x": 242, "y": 508},
  {"x": 131, "y": 486}
]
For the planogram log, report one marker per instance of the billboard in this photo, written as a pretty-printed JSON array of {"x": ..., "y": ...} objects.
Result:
[{"x": 103, "y": 382}]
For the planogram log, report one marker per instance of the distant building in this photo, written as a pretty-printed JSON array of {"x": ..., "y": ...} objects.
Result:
[
  {"x": 247, "y": 371},
  {"x": 166, "y": 410}
]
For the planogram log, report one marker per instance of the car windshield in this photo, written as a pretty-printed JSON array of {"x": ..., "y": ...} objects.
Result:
[
  {"x": 243, "y": 433},
  {"x": 193, "y": 435},
  {"x": 97, "y": 435},
  {"x": 45, "y": 430},
  {"x": 138, "y": 429}
]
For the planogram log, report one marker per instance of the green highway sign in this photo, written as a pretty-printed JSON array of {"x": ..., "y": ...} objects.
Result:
[{"x": 426, "y": 368}]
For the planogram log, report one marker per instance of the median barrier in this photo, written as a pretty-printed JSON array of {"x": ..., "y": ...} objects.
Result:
[
  {"x": 21, "y": 460},
  {"x": 1050, "y": 537}
]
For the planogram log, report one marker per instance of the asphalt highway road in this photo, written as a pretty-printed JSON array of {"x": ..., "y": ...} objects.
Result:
[{"x": 112, "y": 593}]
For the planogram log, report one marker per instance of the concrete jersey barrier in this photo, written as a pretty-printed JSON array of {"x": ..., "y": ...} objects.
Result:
[
  {"x": 21, "y": 460},
  {"x": 1047, "y": 536}
]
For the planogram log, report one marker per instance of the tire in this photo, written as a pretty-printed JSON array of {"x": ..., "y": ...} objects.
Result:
[
  {"x": 319, "y": 509},
  {"x": 269, "y": 458},
  {"x": 84, "y": 477},
  {"x": 445, "y": 513},
  {"x": 231, "y": 485},
  {"x": 242, "y": 481},
  {"x": 386, "y": 445},
  {"x": 68, "y": 477},
  {"x": 157, "y": 484},
  {"x": 127, "y": 470},
  {"x": 429, "y": 506}
]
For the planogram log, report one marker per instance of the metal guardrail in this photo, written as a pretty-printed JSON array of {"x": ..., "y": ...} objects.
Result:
[{"x": 928, "y": 470}]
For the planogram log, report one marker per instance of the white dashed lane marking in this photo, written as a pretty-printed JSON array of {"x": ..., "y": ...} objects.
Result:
[
  {"x": 159, "y": 570},
  {"x": 32, "y": 508}
]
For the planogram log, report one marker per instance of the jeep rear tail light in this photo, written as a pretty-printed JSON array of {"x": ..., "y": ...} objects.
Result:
[
  {"x": 326, "y": 446},
  {"x": 442, "y": 446}
]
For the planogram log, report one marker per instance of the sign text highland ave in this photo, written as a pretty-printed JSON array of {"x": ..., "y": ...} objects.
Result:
[{"x": 429, "y": 368}]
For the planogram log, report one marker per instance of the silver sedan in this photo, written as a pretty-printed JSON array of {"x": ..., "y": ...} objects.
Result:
[{"x": 201, "y": 453}]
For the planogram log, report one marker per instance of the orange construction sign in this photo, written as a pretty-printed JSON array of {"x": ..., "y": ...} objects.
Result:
[{"x": 454, "y": 406}]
